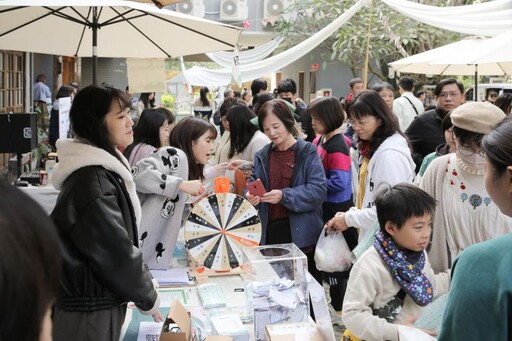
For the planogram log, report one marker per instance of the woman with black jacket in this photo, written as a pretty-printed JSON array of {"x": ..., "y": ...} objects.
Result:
[{"x": 97, "y": 214}]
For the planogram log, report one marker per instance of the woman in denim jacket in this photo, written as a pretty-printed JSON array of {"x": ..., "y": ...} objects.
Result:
[{"x": 293, "y": 176}]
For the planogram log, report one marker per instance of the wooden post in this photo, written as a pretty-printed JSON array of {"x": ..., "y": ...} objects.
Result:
[{"x": 367, "y": 53}]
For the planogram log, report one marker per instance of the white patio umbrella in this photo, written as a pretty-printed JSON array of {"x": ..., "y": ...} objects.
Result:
[
  {"x": 108, "y": 28},
  {"x": 498, "y": 50},
  {"x": 159, "y": 3},
  {"x": 469, "y": 56}
]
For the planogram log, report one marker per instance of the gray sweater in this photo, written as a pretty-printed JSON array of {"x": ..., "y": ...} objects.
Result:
[{"x": 158, "y": 177}]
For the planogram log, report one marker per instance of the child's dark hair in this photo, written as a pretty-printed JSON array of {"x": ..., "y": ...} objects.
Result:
[{"x": 401, "y": 202}]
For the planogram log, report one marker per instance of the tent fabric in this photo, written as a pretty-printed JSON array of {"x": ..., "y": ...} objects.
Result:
[
  {"x": 201, "y": 76},
  {"x": 225, "y": 58},
  {"x": 487, "y": 19}
]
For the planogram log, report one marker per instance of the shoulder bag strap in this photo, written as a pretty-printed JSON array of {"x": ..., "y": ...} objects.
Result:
[{"x": 408, "y": 100}]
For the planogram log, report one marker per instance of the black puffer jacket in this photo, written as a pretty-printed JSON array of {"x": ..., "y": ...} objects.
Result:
[{"x": 102, "y": 267}]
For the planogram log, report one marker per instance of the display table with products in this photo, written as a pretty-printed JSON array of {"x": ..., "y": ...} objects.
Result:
[
  {"x": 241, "y": 303},
  {"x": 141, "y": 327}
]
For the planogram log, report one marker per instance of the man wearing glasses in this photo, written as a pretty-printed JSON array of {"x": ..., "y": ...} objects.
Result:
[{"x": 425, "y": 132}]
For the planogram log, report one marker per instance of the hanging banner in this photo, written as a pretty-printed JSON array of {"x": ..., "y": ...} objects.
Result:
[
  {"x": 235, "y": 68},
  {"x": 64, "y": 107},
  {"x": 146, "y": 75}
]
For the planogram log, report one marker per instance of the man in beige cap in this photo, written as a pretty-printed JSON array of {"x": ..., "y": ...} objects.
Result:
[{"x": 465, "y": 214}]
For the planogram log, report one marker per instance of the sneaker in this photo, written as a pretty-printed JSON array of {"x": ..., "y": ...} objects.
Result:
[{"x": 335, "y": 316}]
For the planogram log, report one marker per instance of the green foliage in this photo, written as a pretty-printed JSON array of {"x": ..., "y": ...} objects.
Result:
[
  {"x": 167, "y": 101},
  {"x": 349, "y": 44}
]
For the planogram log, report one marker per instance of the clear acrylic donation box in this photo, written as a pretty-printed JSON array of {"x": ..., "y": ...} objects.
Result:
[{"x": 276, "y": 285}]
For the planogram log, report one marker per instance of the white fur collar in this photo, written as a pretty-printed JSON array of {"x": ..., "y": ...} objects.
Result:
[{"x": 75, "y": 154}]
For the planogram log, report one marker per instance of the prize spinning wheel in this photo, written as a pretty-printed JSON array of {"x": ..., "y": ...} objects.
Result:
[{"x": 217, "y": 229}]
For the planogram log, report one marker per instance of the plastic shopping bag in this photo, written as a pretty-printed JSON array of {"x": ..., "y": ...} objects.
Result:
[{"x": 332, "y": 253}]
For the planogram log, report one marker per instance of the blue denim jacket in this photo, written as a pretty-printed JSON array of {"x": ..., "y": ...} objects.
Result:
[{"x": 303, "y": 199}]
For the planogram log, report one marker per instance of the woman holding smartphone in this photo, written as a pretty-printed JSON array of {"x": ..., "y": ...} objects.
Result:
[{"x": 294, "y": 180}]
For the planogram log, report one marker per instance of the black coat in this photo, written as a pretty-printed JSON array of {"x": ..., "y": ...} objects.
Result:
[
  {"x": 425, "y": 133},
  {"x": 102, "y": 267}
]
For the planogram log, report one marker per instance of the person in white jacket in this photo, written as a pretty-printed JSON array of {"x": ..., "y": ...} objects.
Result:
[
  {"x": 384, "y": 157},
  {"x": 392, "y": 282},
  {"x": 407, "y": 106}
]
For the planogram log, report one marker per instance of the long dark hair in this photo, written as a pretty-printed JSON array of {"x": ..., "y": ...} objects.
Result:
[
  {"x": 148, "y": 104},
  {"x": 240, "y": 127},
  {"x": 497, "y": 147},
  {"x": 88, "y": 111},
  {"x": 30, "y": 265},
  {"x": 203, "y": 96},
  {"x": 258, "y": 101},
  {"x": 187, "y": 131},
  {"x": 369, "y": 103},
  {"x": 148, "y": 128}
]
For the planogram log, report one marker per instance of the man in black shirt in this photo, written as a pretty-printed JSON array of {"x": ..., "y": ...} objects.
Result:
[{"x": 425, "y": 132}]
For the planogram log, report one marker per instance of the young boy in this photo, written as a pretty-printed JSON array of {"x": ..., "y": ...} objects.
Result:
[{"x": 392, "y": 281}]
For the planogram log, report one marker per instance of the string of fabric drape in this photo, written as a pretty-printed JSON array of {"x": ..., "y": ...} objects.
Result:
[
  {"x": 246, "y": 57},
  {"x": 201, "y": 76},
  {"x": 487, "y": 19}
]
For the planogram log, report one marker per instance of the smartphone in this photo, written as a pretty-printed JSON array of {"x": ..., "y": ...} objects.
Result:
[{"x": 256, "y": 188}]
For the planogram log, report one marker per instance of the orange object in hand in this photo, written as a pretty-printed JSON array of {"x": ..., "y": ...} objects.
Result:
[{"x": 222, "y": 184}]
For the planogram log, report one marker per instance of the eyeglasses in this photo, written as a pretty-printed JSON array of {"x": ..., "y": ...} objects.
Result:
[
  {"x": 354, "y": 123},
  {"x": 444, "y": 95},
  {"x": 468, "y": 151}
]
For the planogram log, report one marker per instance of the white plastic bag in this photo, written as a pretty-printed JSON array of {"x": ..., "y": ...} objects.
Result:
[{"x": 332, "y": 253}]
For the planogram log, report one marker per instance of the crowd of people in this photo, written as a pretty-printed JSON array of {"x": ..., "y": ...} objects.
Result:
[{"x": 428, "y": 192}]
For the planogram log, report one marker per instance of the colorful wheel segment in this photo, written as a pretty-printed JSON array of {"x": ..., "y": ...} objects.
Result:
[{"x": 217, "y": 229}]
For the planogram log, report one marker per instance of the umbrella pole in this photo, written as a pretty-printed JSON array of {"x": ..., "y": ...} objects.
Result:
[
  {"x": 95, "y": 46},
  {"x": 476, "y": 83}
]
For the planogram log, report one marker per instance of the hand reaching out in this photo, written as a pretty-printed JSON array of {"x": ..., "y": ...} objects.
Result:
[
  {"x": 157, "y": 317},
  {"x": 192, "y": 187},
  {"x": 337, "y": 224}
]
